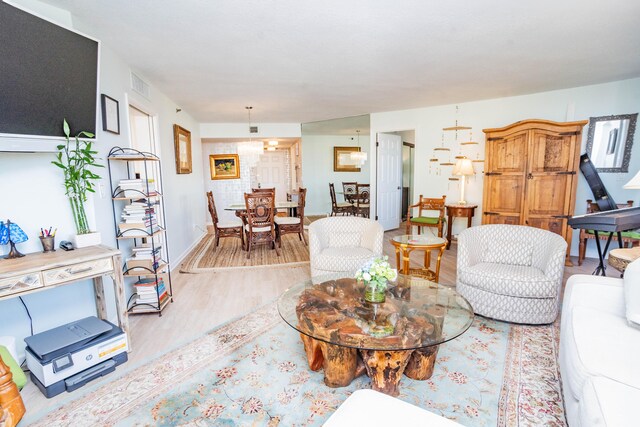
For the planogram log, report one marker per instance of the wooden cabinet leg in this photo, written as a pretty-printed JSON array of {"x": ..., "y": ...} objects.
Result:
[
  {"x": 101, "y": 305},
  {"x": 421, "y": 363},
  {"x": 449, "y": 227},
  {"x": 385, "y": 369},
  {"x": 339, "y": 364},
  {"x": 121, "y": 304}
]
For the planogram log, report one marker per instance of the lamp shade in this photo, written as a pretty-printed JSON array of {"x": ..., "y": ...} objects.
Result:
[
  {"x": 634, "y": 183},
  {"x": 463, "y": 167},
  {"x": 11, "y": 232}
]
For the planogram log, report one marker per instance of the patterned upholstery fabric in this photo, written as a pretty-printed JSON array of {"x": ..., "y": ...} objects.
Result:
[
  {"x": 511, "y": 291},
  {"x": 343, "y": 255}
]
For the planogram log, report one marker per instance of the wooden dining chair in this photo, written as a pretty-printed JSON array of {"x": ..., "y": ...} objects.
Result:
[
  {"x": 231, "y": 228},
  {"x": 427, "y": 204},
  {"x": 293, "y": 224},
  {"x": 362, "y": 200},
  {"x": 349, "y": 189},
  {"x": 336, "y": 208},
  {"x": 265, "y": 190},
  {"x": 260, "y": 227}
]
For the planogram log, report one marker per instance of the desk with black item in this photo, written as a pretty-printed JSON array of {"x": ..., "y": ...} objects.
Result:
[
  {"x": 613, "y": 221},
  {"x": 41, "y": 271}
]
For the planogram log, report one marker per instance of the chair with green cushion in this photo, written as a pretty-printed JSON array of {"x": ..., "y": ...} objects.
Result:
[
  {"x": 433, "y": 215},
  {"x": 629, "y": 238}
]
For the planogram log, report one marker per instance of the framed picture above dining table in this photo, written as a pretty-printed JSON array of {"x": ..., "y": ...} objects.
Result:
[
  {"x": 224, "y": 166},
  {"x": 342, "y": 161}
]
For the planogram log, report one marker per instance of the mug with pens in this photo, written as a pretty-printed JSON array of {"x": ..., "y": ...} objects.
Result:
[{"x": 48, "y": 239}]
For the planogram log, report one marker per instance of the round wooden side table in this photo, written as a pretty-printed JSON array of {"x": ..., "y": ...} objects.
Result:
[
  {"x": 407, "y": 243},
  {"x": 621, "y": 258}
]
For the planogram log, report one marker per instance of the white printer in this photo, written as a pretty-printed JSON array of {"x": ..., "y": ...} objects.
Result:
[{"x": 71, "y": 355}]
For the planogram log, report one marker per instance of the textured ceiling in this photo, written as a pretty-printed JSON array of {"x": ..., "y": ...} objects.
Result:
[{"x": 302, "y": 61}]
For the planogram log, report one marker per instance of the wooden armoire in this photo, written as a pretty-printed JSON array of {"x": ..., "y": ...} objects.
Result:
[{"x": 531, "y": 171}]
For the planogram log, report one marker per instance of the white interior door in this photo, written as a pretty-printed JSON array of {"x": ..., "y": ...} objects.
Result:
[
  {"x": 389, "y": 180},
  {"x": 272, "y": 172}
]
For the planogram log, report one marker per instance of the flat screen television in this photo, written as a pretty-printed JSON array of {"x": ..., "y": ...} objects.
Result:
[{"x": 47, "y": 73}]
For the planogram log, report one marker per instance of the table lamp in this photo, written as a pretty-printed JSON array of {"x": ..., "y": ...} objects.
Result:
[
  {"x": 463, "y": 168},
  {"x": 11, "y": 233},
  {"x": 634, "y": 183}
]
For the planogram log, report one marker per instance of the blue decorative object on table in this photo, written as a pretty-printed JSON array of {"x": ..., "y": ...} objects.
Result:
[{"x": 11, "y": 233}]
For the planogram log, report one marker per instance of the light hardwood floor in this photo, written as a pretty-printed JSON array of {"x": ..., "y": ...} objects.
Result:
[{"x": 204, "y": 301}]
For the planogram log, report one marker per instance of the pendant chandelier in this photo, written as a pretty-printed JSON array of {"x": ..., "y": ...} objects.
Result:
[
  {"x": 250, "y": 147},
  {"x": 360, "y": 157}
]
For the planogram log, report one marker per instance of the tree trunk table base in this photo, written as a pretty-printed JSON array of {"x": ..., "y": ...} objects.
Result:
[
  {"x": 342, "y": 365},
  {"x": 422, "y": 363},
  {"x": 385, "y": 369}
]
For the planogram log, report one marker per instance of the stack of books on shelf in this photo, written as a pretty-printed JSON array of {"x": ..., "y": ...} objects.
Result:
[
  {"x": 137, "y": 188},
  {"x": 138, "y": 219},
  {"x": 144, "y": 260},
  {"x": 150, "y": 292}
]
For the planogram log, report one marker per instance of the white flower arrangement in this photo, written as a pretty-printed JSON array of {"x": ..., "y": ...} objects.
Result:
[{"x": 376, "y": 273}]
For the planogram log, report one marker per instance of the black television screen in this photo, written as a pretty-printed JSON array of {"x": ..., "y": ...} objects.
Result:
[{"x": 47, "y": 73}]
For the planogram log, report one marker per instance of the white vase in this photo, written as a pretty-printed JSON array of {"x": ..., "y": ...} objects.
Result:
[{"x": 89, "y": 239}]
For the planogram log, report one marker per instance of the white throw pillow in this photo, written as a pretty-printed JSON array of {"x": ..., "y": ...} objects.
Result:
[
  {"x": 509, "y": 252},
  {"x": 632, "y": 293},
  {"x": 342, "y": 239}
]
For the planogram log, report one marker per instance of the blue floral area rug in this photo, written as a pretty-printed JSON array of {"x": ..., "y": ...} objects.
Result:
[{"x": 254, "y": 372}]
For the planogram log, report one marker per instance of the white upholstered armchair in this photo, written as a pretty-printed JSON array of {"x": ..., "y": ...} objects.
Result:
[
  {"x": 339, "y": 244},
  {"x": 511, "y": 272}
]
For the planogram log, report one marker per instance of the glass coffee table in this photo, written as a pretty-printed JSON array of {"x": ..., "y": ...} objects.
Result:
[
  {"x": 347, "y": 336},
  {"x": 407, "y": 243}
]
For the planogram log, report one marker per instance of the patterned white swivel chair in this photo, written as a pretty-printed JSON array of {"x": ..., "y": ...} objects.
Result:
[
  {"x": 511, "y": 272},
  {"x": 343, "y": 244}
]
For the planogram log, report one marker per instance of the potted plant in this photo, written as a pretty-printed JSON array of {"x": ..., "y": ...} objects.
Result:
[
  {"x": 76, "y": 159},
  {"x": 376, "y": 275}
]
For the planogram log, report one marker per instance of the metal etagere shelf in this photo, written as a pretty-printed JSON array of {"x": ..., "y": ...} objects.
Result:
[{"x": 148, "y": 237}]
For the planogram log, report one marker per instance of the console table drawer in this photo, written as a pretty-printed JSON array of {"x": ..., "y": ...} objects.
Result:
[
  {"x": 77, "y": 271},
  {"x": 17, "y": 284}
]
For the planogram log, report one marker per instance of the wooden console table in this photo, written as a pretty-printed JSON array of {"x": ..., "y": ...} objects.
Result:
[
  {"x": 458, "y": 211},
  {"x": 41, "y": 271}
]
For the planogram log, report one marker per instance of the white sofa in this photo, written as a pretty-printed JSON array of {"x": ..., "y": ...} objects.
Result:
[
  {"x": 511, "y": 272},
  {"x": 343, "y": 244},
  {"x": 374, "y": 409},
  {"x": 599, "y": 349}
]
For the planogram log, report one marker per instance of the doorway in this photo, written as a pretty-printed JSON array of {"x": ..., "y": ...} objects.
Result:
[
  {"x": 272, "y": 172},
  {"x": 389, "y": 180},
  {"x": 408, "y": 152}
]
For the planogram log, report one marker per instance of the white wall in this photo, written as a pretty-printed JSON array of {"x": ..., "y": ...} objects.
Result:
[
  {"x": 621, "y": 97},
  {"x": 227, "y": 191},
  {"x": 317, "y": 170},
  {"x": 33, "y": 195}
]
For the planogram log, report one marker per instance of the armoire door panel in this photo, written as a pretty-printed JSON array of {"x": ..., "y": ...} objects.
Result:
[
  {"x": 501, "y": 219},
  {"x": 547, "y": 195},
  {"x": 556, "y": 225},
  {"x": 505, "y": 193},
  {"x": 507, "y": 154},
  {"x": 550, "y": 152}
]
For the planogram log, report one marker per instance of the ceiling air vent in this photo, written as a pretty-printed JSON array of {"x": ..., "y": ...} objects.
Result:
[
  {"x": 253, "y": 129},
  {"x": 140, "y": 86}
]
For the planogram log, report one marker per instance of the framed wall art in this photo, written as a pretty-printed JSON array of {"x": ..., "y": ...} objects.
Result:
[
  {"x": 182, "y": 143},
  {"x": 610, "y": 140},
  {"x": 342, "y": 161},
  {"x": 110, "y": 114},
  {"x": 224, "y": 166}
]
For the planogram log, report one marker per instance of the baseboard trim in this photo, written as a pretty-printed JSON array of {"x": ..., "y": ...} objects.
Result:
[{"x": 176, "y": 263}]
